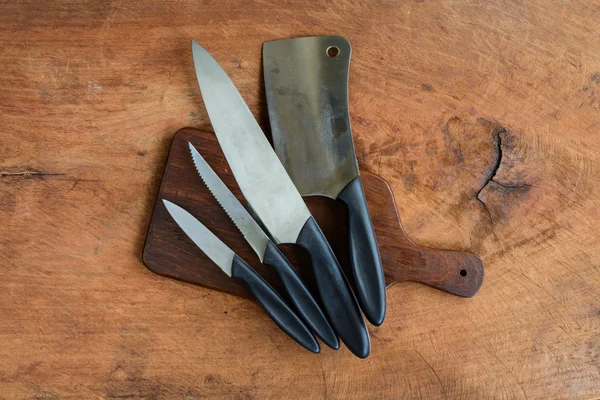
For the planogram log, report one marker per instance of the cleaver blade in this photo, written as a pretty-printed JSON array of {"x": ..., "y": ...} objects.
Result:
[{"x": 306, "y": 81}]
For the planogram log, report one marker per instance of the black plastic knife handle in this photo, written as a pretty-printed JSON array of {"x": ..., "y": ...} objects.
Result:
[
  {"x": 274, "y": 305},
  {"x": 305, "y": 304},
  {"x": 337, "y": 298},
  {"x": 364, "y": 254}
]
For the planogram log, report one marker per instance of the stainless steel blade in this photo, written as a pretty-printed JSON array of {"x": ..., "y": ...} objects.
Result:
[
  {"x": 255, "y": 236},
  {"x": 211, "y": 245},
  {"x": 257, "y": 170},
  {"x": 306, "y": 81}
]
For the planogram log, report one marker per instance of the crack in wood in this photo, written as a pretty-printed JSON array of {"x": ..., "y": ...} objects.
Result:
[
  {"x": 499, "y": 131},
  {"x": 494, "y": 170}
]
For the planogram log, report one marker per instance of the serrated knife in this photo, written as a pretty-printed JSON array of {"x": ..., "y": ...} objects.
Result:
[
  {"x": 273, "y": 197},
  {"x": 306, "y": 81},
  {"x": 268, "y": 253},
  {"x": 235, "y": 267}
]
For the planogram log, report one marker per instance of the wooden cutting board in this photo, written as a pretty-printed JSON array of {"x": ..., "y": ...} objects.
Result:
[{"x": 169, "y": 252}]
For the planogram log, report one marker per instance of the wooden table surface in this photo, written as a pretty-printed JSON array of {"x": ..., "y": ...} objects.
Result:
[{"x": 483, "y": 116}]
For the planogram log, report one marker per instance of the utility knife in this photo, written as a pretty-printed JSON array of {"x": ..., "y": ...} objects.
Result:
[{"x": 268, "y": 253}]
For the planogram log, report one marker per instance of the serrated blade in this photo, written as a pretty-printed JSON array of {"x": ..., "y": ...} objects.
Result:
[
  {"x": 254, "y": 235},
  {"x": 211, "y": 245},
  {"x": 259, "y": 173}
]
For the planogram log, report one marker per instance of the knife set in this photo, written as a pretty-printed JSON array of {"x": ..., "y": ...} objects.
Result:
[{"x": 306, "y": 83}]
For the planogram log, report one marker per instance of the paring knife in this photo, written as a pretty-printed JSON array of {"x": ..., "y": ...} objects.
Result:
[
  {"x": 306, "y": 81},
  {"x": 273, "y": 197},
  {"x": 235, "y": 267},
  {"x": 268, "y": 253}
]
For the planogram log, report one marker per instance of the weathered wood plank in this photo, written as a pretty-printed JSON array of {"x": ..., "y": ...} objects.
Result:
[{"x": 483, "y": 116}]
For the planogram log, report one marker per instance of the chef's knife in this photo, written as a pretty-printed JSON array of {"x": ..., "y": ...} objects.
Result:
[
  {"x": 267, "y": 252},
  {"x": 235, "y": 267},
  {"x": 306, "y": 81},
  {"x": 273, "y": 197}
]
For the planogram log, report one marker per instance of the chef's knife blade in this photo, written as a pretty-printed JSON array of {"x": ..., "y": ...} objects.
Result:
[
  {"x": 274, "y": 198},
  {"x": 257, "y": 170},
  {"x": 268, "y": 253},
  {"x": 306, "y": 81},
  {"x": 235, "y": 267}
]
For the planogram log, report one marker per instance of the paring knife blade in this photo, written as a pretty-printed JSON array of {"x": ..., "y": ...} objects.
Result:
[
  {"x": 268, "y": 253},
  {"x": 306, "y": 81},
  {"x": 235, "y": 267},
  {"x": 273, "y": 197}
]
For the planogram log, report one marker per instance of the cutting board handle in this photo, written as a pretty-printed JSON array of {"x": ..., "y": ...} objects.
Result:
[{"x": 456, "y": 272}]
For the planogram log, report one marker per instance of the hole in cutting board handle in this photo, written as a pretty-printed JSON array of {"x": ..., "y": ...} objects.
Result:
[{"x": 333, "y": 51}]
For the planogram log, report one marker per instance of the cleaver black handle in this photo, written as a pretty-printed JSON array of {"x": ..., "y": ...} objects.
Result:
[
  {"x": 274, "y": 305},
  {"x": 305, "y": 304},
  {"x": 364, "y": 253},
  {"x": 337, "y": 298}
]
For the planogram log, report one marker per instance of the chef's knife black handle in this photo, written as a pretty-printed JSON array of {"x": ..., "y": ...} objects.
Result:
[
  {"x": 307, "y": 307},
  {"x": 274, "y": 305},
  {"x": 364, "y": 254},
  {"x": 337, "y": 298}
]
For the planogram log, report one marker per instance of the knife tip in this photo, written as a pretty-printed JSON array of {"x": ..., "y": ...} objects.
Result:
[
  {"x": 196, "y": 46},
  {"x": 196, "y": 157},
  {"x": 192, "y": 148}
]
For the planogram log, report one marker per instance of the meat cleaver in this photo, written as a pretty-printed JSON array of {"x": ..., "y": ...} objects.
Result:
[{"x": 306, "y": 81}]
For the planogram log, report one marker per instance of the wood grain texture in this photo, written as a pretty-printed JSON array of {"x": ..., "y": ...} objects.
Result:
[
  {"x": 169, "y": 252},
  {"x": 482, "y": 116}
]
